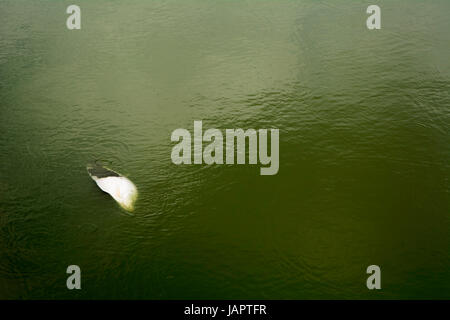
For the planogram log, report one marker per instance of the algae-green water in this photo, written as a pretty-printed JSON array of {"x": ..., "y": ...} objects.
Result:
[{"x": 363, "y": 118}]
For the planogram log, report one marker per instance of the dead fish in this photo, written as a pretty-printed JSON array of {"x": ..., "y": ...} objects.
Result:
[{"x": 119, "y": 187}]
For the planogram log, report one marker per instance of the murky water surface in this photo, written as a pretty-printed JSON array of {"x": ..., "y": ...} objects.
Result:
[{"x": 364, "y": 126}]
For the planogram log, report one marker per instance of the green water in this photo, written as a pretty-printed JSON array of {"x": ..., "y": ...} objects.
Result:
[{"x": 364, "y": 124}]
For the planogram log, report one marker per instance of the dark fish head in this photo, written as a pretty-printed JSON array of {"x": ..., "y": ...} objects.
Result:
[{"x": 97, "y": 171}]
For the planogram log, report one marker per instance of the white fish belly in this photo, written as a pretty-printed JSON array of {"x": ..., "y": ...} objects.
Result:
[{"x": 121, "y": 189}]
